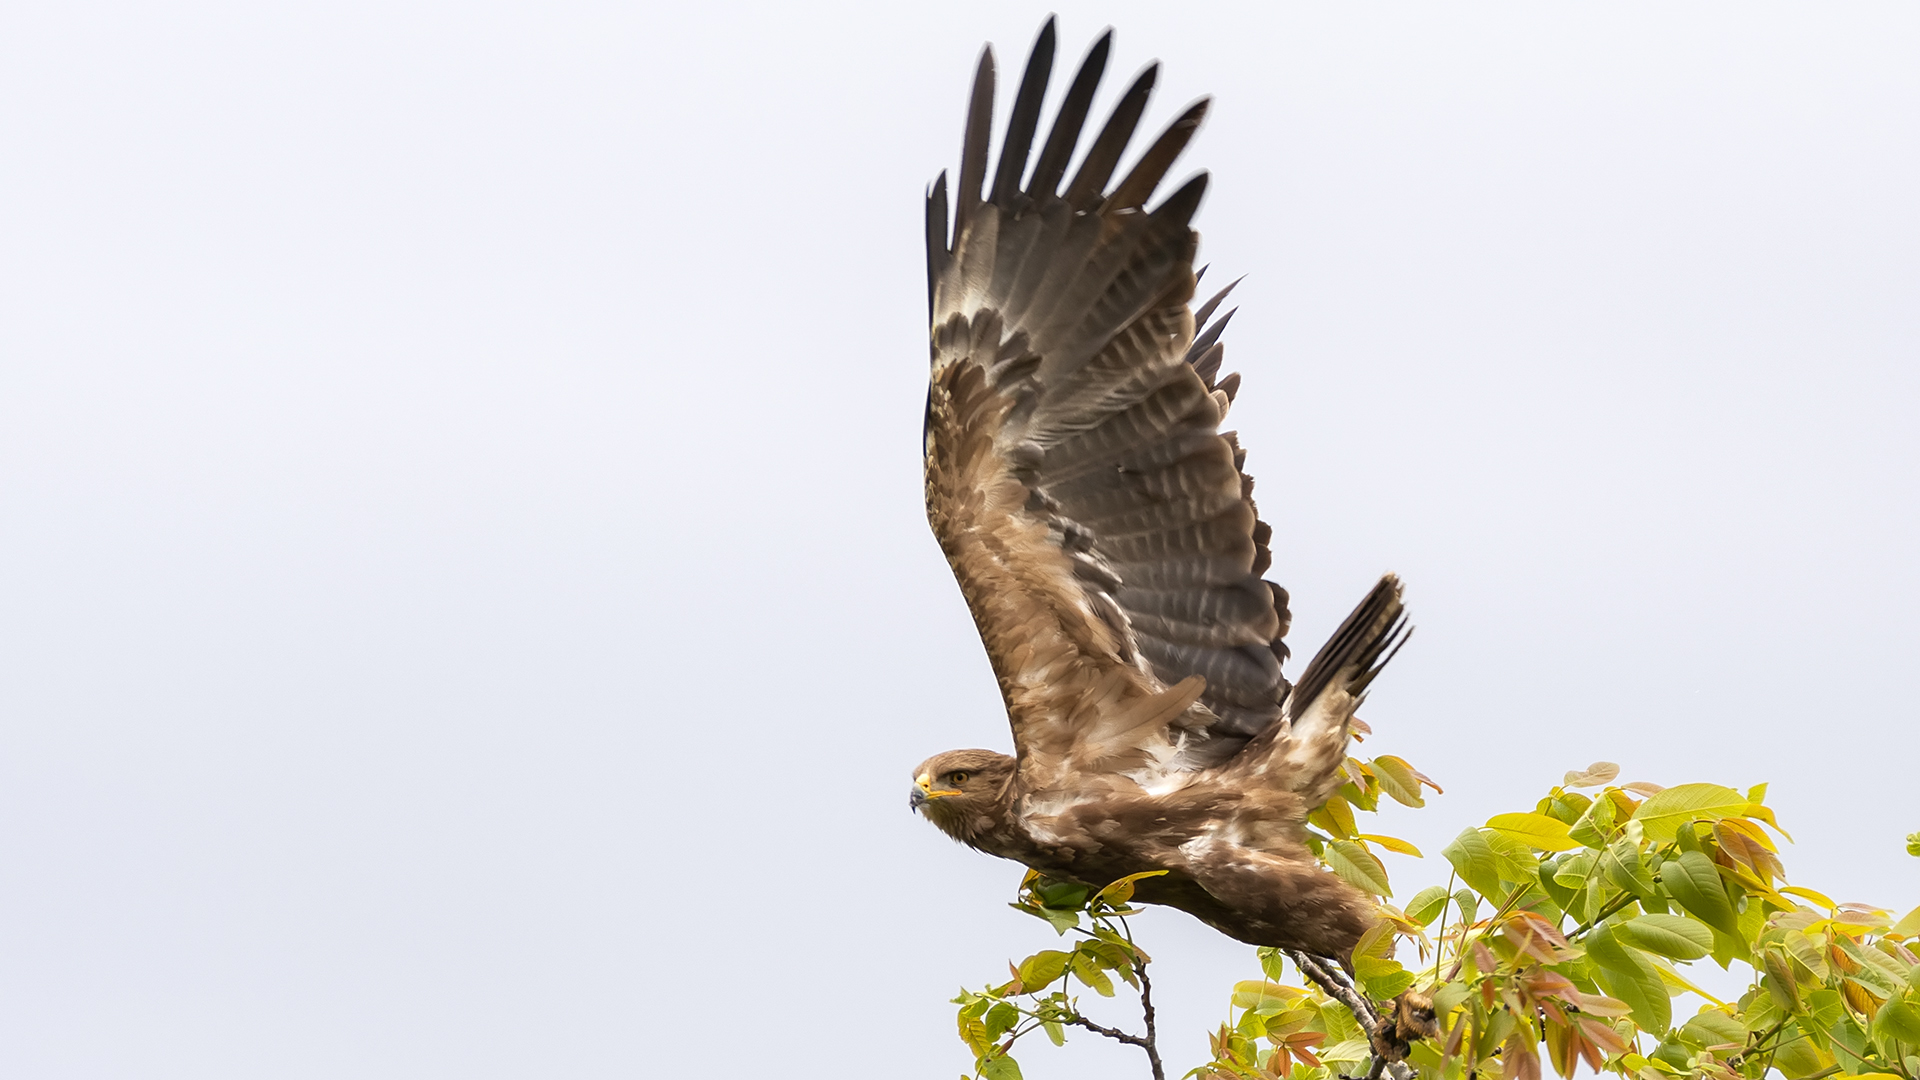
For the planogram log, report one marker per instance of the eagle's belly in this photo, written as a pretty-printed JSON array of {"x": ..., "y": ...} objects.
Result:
[{"x": 1223, "y": 862}]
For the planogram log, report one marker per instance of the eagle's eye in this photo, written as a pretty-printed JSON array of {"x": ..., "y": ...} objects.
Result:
[{"x": 958, "y": 778}]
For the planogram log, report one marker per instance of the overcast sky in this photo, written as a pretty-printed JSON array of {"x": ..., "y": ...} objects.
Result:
[{"x": 465, "y": 605}]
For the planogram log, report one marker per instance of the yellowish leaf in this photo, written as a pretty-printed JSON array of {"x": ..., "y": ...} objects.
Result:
[
  {"x": 1664, "y": 812},
  {"x": 1400, "y": 780},
  {"x": 1357, "y": 867},
  {"x": 1534, "y": 830},
  {"x": 1765, "y": 813},
  {"x": 1393, "y": 844},
  {"x": 1820, "y": 898},
  {"x": 1908, "y": 926}
]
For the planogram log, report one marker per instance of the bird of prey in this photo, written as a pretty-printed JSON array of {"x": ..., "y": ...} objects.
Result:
[{"x": 1105, "y": 538}]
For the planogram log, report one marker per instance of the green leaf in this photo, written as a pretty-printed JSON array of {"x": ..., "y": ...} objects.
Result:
[
  {"x": 1087, "y": 970},
  {"x": 1468, "y": 905},
  {"x": 1042, "y": 968},
  {"x": 1448, "y": 998},
  {"x": 1596, "y": 824},
  {"x": 1061, "y": 921},
  {"x": 1566, "y": 897},
  {"x": 1665, "y": 811},
  {"x": 1513, "y": 857},
  {"x": 1913, "y": 843},
  {"x": 1001, "y": 1019},
  {"x": 1358, "y": 867},
  {"x": 1473, "y": 859},
  {"x": 1668, "y": 935},
  {"x": 1899, "y": 1019},
  {"x": 1567, "y": 806},
  {"x": 1811, "y": 951},
  {"x": 1626, "y": 975},
  {"x": 1534, "y": 830},
  {"x": 1388, "y": 984},
  {"x": 1826, "y": 1007},
  {"x": 1000, "y": 1068},
  {"x": 1273, "y": 962},
  {"x": 1694, "y": 884},
  {"x": 1054, "y": 1031},
  {"x": 1346, "y": 1050},
  {"x": 1426, "y": 905},
  {"x": 1066, "y": 895},
  {"x": 1799, "y": 1057},
  {"x": 1399, "y": 780},
  {"x": 1626, "y": 869},
  {"x": 1713, "y": 1027}
]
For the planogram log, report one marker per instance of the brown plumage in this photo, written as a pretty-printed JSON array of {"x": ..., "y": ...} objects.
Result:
[{"x": 1106, "y": 541}]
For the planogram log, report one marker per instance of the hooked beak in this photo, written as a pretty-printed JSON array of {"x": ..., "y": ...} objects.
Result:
[{"x": 923, "y": 792}]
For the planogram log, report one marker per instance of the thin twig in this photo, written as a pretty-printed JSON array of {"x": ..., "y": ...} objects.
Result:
[
  {"x": 1735, "y": 1060},
  {"x": 1153, "y": 1054},
  {"x": 1146, "y": 1009},
  {"x": 1148, "y": 1043},
  {"x": 1101, "y": 1029}
]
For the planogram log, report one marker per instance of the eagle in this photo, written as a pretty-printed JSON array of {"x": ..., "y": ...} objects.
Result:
[{"x": 1102, "y": 529}]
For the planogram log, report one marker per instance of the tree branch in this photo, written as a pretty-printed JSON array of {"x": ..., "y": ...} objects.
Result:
[
  {"x": 1146, "y": 1008},
  {"x": 1339, "y": 989}
]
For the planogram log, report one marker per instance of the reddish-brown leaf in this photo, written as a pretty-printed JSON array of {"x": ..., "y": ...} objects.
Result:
[
  {"x": 1518, "y": 1059},
  {"x": 1483, "y": 958},
  {"x": 1604, "y": 1037},
  {"x": 1534, "y": 936},
  {"x": 1745, "y": 851}
]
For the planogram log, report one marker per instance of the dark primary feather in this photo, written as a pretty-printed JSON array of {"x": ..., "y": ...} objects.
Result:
[
  {"x": 1073, "y": 113},
  {"x": 1097, "y": 168},
  {"x": 1025, "y": 119},
  {"x": 1153, "y": 165}
]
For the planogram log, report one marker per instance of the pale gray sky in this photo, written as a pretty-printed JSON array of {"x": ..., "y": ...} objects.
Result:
[{"x": 467, "y": 609}]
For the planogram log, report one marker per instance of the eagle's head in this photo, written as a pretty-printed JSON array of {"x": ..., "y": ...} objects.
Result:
[{"x": 964, "y": 792}]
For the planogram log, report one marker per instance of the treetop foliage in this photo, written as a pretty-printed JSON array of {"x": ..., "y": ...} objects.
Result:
[{"x": 1563, "y": 932}]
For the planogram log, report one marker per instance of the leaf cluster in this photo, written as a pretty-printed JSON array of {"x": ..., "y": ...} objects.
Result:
[
  {"x": 1566, "y": 930},
  {"x": 1039, "y": 996}
]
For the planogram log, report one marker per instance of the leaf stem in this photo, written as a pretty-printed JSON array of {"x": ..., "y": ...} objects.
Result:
[
  {"x": 1760, "y": 1042},
  {"x": 1613, "y": 906},
  {"x": 1440, "y": 935}
]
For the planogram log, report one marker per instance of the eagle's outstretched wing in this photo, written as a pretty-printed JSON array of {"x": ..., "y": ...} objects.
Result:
[{"x": 1095, "y": 515}]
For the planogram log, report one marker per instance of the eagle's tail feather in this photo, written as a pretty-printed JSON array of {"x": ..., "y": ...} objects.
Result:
[{"x": 1322, "y": 704}]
